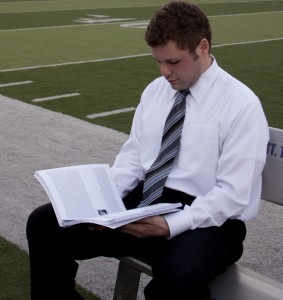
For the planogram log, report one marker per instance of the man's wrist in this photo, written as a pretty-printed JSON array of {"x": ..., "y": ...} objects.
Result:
[{"x": 178, "y": 222}]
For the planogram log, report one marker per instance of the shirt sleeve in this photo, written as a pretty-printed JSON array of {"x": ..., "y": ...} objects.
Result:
[{"x": 238, "y": 177}]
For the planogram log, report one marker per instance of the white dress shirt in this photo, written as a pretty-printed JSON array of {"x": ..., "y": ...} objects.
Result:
[{"x": 221, "y": 155}]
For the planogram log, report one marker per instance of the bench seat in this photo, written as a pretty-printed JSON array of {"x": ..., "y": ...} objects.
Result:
[{"x": 240, "y": 283}]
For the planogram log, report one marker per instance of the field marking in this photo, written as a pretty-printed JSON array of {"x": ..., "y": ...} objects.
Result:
[
  {"x": 249, "y": 42},
  {"x": 109, "y": 7},
  {"x": 247, "y": 14},
  {"x": 127, "y": 57},
  {"x": 91, "y": 8},
  {"x": 108, "y": 113},
  {"x": 77, "y": 62},
  {"x": 58, "y": 26},
  {"x": 64, "y": 26},
  {"x": 143, "y": 24},
  {"x": 96, "y": 19},
  {"x": 55, "y": 97},
  {"x": 15, "y": 83},
  {"x": 117, "y": 21}
]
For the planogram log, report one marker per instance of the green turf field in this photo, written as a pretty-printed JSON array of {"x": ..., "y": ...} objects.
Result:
[{"x": 96, "y": 51}]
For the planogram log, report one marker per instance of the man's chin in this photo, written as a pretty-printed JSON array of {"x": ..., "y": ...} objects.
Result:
[{"x": 175, "y": 85}]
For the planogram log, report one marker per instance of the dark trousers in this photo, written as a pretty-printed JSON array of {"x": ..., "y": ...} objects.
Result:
[{"x": 182, "y": 266}]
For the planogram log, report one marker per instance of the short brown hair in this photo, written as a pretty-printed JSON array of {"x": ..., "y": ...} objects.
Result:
[{"x": 181, "y": 22}]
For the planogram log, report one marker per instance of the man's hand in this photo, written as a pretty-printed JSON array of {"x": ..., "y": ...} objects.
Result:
[{"x": 155, "y": 226}]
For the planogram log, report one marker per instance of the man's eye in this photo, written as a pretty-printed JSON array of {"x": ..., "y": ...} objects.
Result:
[{"x": 173, "y": 62}]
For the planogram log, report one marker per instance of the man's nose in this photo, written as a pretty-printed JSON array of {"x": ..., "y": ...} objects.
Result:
[{"x": 165, "y": 69}]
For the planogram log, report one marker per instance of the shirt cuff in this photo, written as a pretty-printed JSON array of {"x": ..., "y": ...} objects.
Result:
[{"x": 178, "y": 222}]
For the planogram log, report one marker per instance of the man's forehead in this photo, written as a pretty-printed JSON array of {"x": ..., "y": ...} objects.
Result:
[{"x": 168, "y": 51}]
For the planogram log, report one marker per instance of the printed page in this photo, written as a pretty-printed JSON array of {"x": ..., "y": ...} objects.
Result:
[
  {"x": 88, "y": 193},
  {"x": 118, "y": 219},
  {"x": 79, "y": 192}
]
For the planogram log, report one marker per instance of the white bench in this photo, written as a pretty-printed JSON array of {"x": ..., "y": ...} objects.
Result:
[{"x": 237, "y": 283}]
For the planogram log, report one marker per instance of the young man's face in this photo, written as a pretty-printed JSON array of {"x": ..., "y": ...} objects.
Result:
[{"x": 180, "y": 68}]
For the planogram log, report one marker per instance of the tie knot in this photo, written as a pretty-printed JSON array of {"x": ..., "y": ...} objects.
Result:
[{"x": 183, "y": 93}]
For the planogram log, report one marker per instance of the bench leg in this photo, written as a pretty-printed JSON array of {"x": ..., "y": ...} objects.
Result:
[{"x": 127, "y": 283}]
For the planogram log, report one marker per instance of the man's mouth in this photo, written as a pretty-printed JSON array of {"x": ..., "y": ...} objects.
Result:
[{"x": 172, "y": 81}]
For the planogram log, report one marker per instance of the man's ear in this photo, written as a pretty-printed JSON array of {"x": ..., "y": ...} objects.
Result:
[{"x": 203, "y": 47}]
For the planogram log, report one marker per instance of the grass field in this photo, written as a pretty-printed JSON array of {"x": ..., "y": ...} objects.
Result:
[
  {"x": 94, "y": 51},
  {"x": 99, "y": 54}
]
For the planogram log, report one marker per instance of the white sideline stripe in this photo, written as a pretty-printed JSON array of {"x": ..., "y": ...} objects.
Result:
[
  {"x": 250, "y": 42},
  {"x": 104, "y": 7},
  {"x": 63, "y": 26},
  {"x": 255, "y": 13},
  {"x": 128, "y": 56},
  {"x": 113, "y": 112},
  {"x": 84, "y": 8},
  {"x": 55, "y": 97},
  {"x": 122, "y": 22},
  {"x": 77, "y": 62},
  {"x": 15, "y": 83}
]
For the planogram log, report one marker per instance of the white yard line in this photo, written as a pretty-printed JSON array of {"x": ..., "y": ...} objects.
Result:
[
  {"x": 247, "y": 14},
  {"x": 120, "y": 21},
  {"x": 61, "y": 26},
  {"x": 55, "y": 97},
  {"x": 86, "y": 8},
  {"x": 93, "y": 116},
  {"x": 76, "y": 62},
  {"x": 15, "y": 83},
  {"x": 249, "y": 42},
  {"x": 127, "y": 57},
  {"x": 113, "y": 112}
]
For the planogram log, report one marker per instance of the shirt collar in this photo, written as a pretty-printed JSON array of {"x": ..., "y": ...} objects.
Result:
[{"x": 201, "y": 87}]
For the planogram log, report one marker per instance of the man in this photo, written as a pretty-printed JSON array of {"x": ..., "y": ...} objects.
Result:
[{"x": 216, "y": 174}]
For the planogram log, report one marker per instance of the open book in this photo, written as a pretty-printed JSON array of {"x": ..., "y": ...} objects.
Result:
[{"x": 88, "y": 194}]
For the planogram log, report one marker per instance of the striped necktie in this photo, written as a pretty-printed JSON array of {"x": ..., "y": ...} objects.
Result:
[{"x": 157, "y": 174}]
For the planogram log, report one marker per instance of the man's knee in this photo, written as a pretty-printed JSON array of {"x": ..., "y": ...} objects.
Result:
[{"x": 40, "y": 220}]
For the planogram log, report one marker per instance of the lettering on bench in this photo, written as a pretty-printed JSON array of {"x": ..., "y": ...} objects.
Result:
[{"x": 275, "y": 150}]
